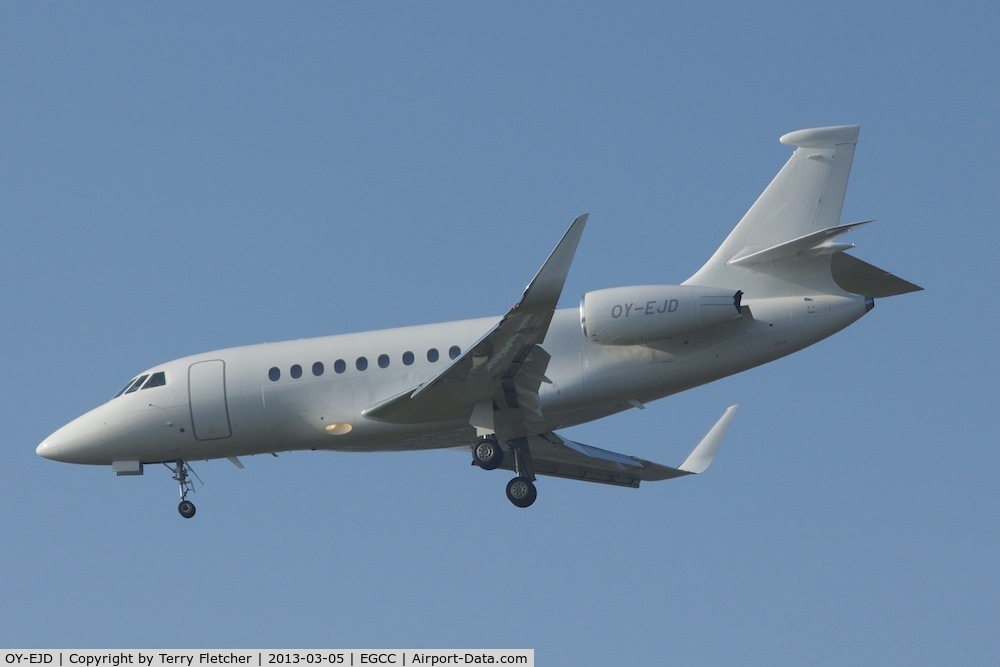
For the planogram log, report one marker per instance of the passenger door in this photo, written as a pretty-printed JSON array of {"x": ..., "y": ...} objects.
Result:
[{"x": 207, "y": 398}]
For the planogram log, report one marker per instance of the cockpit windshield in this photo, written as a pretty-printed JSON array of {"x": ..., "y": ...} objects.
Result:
[{"x": 144, "y": 382}]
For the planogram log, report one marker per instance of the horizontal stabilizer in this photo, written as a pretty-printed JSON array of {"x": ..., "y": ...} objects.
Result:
[
  {"x": 792, "y": 258},
  {"x": 816, "y": 243},
  {"x": 858, "y": 277}
]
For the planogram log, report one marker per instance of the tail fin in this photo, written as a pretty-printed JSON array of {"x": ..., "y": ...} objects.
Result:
[{"x": 785, "y": 242}]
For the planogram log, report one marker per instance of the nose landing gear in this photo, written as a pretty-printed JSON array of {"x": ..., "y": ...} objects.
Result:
[{"x": 181, "y": 470}]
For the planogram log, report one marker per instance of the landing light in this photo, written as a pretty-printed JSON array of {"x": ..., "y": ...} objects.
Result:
[{"x": 338, "y": 429}]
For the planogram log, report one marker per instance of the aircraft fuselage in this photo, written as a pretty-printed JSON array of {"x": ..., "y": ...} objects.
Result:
[{"x": 225, "y": 403}]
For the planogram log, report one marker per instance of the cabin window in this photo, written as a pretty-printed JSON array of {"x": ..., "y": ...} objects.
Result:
[
  {"x": 383, "y": 361},
  {"x": 274, "y": 374},
  {"x": 454, "y": 351},
  {"x": 318, "y": 368},
  {"x": 361, "y": 364},
  {"x": 296, "y": 371},
  {"x": 339, "y": 366},
  {"x": 407, "y": 358},
  {"x": 155, "y": 380},
  {"x": 432, "y": 355}
]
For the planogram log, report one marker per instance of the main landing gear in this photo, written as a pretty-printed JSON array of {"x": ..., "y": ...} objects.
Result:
[
  {"x": 521, "y": 491},
  {"x": 489, "y": 455},
  {"x": 181, "y": 470}
]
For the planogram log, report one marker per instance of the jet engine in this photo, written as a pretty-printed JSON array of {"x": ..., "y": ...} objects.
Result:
[{"x": 647, "y": 313}]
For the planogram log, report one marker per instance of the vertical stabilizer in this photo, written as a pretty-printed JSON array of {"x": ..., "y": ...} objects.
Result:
[{"x": 804, "y": 198}]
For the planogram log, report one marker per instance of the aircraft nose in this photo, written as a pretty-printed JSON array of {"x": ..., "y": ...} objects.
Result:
[
  {"x": 59, "y": 446},
  {"x": 45, "y": 450},
  {"x": 76, "y": 442}
]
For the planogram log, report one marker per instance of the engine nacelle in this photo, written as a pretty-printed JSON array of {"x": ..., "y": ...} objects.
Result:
[{"x": 647, "y": 313}]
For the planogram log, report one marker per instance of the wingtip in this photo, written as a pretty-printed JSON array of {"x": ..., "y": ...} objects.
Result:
[
  {"x": 703, "y": 455},
  {"x": 547, "y": 285}
]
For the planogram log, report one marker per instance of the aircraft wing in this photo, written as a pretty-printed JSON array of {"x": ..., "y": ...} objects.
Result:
[
  {"x": 556, "y": 456},
  {"x": 507, "y": 365}
]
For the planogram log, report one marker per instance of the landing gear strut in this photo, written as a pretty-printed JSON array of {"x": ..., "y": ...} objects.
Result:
[
  {"x": 181, "y": 470},
  {"x": 521, "y": 490}
]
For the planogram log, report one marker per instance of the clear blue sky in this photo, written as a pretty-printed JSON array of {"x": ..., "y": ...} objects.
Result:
[{"x": 181, "y": 177}]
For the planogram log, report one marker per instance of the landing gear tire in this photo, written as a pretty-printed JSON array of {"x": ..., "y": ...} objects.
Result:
[
  {"x": 521, "y": 491},
  {"x": 186, "y": 508},
  {"x": 487, "y": 454}
]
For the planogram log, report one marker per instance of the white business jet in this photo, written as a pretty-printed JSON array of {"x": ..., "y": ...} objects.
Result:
[{"x": 500, "y": 388}]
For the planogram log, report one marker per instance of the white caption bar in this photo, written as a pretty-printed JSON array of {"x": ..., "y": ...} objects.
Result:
[{"x": 265, "y": 658}]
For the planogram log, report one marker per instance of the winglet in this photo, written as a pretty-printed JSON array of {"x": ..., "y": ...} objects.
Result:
[
  {"x": 702, "y": 456},
  {"x": 545, "y": 288}
]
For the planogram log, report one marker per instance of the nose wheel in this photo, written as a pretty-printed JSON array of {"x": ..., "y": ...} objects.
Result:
[
  {"x": 181, "y": 470},
  {"x": 186, "y": 508}
]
